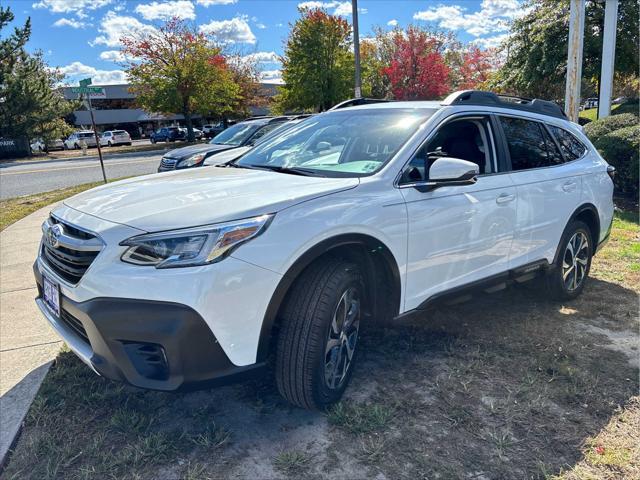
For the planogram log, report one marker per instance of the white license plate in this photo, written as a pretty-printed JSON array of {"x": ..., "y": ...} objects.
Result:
[{"x": 51, "y": 295}]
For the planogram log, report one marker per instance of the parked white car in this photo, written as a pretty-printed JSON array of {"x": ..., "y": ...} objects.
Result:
[
  {"x": 39, "y": 145},
  {"x": 111, "y": 138},
  {"x": 353, "y": 216},
  {"x": 74, "y": 141}
]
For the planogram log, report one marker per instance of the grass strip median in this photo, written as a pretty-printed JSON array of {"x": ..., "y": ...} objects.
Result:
[{"x": 14, "y": 209}]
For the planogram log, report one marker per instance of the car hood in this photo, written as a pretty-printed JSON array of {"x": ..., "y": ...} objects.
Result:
[
  {"x": 193, "y": 149},
  {"x": 201, "y": 196},
  {"x": 226, "y": 155}
]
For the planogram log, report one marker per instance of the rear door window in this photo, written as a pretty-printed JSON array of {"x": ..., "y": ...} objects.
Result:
[
  {"x": 571, "y": 147},
  {"x": 529, "y": 144}
]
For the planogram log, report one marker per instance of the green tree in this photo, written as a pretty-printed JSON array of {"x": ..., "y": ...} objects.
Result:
[
  {"x": 536, "y": 53},
  {"x": 31, "y": 105},
  {"x": 175, "y": 68},
  {"x": 318, "y": 67}
]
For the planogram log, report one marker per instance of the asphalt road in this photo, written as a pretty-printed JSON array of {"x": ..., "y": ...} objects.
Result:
[{"x": 25, "y": 178}]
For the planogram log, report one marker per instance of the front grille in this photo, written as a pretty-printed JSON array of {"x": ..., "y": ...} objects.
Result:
[
  {"x": 73, "y": 254},
  {"x": 168, "y": 163},
  {"x": 74, "y": 324}
]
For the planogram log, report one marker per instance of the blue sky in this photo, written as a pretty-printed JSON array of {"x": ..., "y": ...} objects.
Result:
[{"x": 81, "y": 36}]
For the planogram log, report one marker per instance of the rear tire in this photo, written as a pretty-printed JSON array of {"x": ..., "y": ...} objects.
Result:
[
  {"x": 317, "y": 342},
  {"x": 571, "y": 270}
]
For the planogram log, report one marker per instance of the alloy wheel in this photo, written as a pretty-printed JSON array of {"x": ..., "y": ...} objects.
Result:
[
  {"x": 575, "y": 261},
  {"x": 342, "y": 339}
]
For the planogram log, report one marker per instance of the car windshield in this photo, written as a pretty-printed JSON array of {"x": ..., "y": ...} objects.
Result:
[
  {"x": 235, "y": 135},
  {"x": 85, "y": 135},
  {"x": 339, "y": 143}
]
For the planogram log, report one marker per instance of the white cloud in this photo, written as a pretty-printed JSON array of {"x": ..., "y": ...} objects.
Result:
[
  {"x": 164, "y": 10},
  {"x": 70, "y": 22},
  {"x": 71, "y": 6},
  {"x": 77, "y": 70},
  {"x": 493, "y": 16},
  {"x": 114, "y": 56},
  {"x": 490, "y": 42},
  {"x": 342, "y": 8},
  {"x": 263, "y": 57},
  {"x": 261, "y": 26},
  {"x": 114, "y": 27},
  {"x": 393, "y": 23},
  {"x": 236, "y": 30},
  {"x": 272, "y": 76},
  {"x": 206, "y": 3}
]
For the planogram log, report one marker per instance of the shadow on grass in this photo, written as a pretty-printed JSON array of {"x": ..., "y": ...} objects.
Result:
[{"x": 505, "y": 386}]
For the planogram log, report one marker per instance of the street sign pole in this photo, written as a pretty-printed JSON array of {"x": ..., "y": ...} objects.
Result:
[
  {"x": 356, "y": 48},
  {"x": 95, "y": 133}
]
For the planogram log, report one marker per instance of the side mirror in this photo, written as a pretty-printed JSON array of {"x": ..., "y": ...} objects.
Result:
[
  {"x": 447, "y": 169},
  {"x": 323, "y": 146},
  {"x": 448, "y": 172}
]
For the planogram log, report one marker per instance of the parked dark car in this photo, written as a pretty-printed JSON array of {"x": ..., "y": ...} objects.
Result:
[
  {"x": 168, "y": 134},
  {"x": 239, "y": 135}
]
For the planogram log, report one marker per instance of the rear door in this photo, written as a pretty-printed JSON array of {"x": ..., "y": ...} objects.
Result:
[
  {"x": 548, "y": 189},
  {"x": 458, "y": 234}
]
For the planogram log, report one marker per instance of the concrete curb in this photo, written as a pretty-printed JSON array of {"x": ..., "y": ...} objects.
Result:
[{"x": 27, "y": 344}]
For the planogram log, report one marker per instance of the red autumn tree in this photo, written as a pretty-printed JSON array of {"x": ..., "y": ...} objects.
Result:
[
  {"x": 475, "y": 68},
  {"x": 418, "y": 70},
  {"x": 175, "y": 68}
]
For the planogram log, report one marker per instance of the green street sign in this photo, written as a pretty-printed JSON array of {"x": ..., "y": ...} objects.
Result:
[
  {"x": 85, "y": 83},
  {"x": 79, "y": 90}
]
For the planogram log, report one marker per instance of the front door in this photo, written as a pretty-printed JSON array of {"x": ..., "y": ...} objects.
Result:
[{"x": 457, "y": 234}]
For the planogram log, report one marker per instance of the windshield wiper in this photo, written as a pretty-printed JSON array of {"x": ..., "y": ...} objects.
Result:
[{"x": 290, "y": 170}]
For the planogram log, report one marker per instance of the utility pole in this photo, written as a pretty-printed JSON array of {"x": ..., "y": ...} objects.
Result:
[
  {"x": 356, "y": 47},
  {"x": 574, "y": 60},
  {"x": 608, "y": 58}
]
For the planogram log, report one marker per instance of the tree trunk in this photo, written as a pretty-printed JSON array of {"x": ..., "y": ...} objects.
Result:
[{"x": 187, "y": 119}]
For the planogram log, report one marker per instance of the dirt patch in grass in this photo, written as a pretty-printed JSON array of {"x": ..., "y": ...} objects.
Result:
[{"x": 509, "y": 385}]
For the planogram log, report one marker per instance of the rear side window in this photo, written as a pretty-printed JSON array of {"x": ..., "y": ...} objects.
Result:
[
  {"x": 529, "y": 144},
  {"x": 571, "y": 147}
]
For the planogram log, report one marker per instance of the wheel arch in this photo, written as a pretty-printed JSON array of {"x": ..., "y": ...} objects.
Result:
[
  {"x": 587, "y": 213},
  {"x": 380, "y": 269}
]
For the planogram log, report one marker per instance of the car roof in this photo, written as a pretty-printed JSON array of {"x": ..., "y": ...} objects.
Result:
[{"x": 395, "y": 105}]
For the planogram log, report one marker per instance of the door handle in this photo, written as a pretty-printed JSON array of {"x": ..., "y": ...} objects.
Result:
[
  {"x": 569, "y": 186},
  {"x": 505, "y": 198}
]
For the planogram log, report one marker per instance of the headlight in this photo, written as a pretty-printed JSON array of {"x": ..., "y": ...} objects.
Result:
[
  {"x": 191, "y": 161},
  {"x": 193, "y": 246}
]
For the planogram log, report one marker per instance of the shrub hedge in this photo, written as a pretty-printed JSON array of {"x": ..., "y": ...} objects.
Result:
[
  {"x": 596, "y": 129},
  {"x": 621, "y": 148}
]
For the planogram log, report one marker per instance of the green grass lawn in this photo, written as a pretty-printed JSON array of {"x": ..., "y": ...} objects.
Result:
[{"x": 629, "y": 107}]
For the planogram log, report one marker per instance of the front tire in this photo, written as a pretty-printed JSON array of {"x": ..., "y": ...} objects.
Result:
[
  {"x": 566, "y": 281},
  {"x": 319, "y": 333}
]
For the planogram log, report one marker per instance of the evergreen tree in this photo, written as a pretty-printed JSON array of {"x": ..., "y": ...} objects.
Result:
[{"x": 31, "y": 105}]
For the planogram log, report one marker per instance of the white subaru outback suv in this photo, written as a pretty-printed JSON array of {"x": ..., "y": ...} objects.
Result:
[{"x": 372, "y": 212}]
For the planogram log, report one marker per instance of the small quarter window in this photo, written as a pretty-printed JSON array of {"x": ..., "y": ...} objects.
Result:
[{"x": 571, "y": 147}]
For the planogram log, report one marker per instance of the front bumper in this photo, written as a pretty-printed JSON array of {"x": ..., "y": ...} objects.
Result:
[{"x": 149, "y": 344}]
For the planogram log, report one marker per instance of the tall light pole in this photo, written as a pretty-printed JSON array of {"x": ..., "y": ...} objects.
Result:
[
  {"x": 574, "y": 60},
  {"x": 356, "y": 48},
  {"x": 608, "y": 58}
]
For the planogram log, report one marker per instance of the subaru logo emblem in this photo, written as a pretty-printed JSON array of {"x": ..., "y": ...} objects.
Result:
[{"x": 53, "y": 234}]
